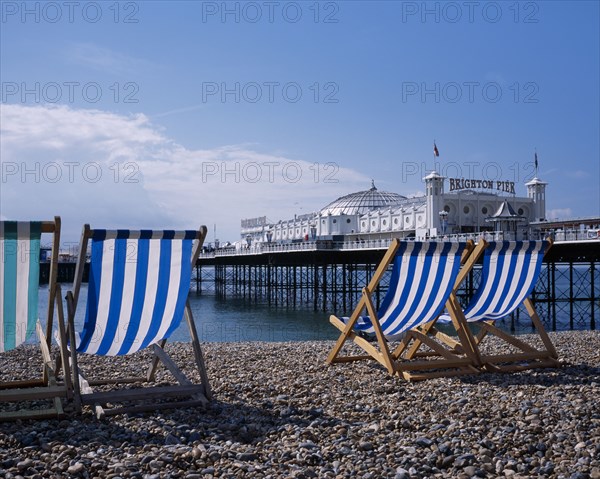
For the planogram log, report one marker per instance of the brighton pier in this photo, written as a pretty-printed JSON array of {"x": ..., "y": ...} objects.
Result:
[{"x": 321, "y": 261}]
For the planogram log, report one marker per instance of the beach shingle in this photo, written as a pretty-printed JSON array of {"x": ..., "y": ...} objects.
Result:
[{"x": 279, "y": 411}]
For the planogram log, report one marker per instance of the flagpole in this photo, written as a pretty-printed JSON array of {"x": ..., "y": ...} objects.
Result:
[{"x": 436, "y": 153}]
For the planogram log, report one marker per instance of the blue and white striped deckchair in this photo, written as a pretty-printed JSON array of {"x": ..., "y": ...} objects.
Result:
[
  {"x": 509, "y": 274},
  {"x": 19, "y": 285},
  {"x": 137, "y": 296},
  {"x": 422, "y": 281},
  {"x": 510, "y": 271}
]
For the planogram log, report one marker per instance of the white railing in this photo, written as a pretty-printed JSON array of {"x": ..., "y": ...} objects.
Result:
[
  {"x": 486, "y": 235},
  {"x": 577, "y": 235},
  {"x": 263, "y": 248},
  {"x": 366, "y": 244}
]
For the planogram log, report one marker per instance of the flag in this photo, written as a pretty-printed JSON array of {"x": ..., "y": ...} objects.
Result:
[
  {"x": 435, "y": 150},
  {"x": 536, "y": 162}
]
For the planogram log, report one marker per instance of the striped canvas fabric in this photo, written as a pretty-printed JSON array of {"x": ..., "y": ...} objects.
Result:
[
  {"x": 510, "y": 271},
  {"x": 423, "y": 275},
  {"x": 19, "y": 281},
  {"x": 138, "y": 286}
]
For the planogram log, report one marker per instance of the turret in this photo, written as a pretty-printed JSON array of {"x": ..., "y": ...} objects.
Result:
[
  {"x": 536, "y": 190},
  {"x": 434, "y": 184}
]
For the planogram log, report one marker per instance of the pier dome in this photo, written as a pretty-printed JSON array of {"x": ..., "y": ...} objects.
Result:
[{"x": 362, "y": 202}]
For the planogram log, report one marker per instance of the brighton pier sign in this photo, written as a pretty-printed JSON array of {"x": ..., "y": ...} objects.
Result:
[{"x": 496, "y": 185}]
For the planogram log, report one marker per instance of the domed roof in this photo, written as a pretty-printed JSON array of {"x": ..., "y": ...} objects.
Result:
[{"x": 362, "y": 201}]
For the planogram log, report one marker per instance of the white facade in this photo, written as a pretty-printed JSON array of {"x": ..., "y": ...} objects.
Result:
[{"x": 372, "y": 214}]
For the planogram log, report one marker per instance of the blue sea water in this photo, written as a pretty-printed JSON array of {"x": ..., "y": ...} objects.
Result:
[{"x": 233, "y": 320}]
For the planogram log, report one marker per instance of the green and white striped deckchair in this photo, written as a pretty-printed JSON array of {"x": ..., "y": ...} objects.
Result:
[{"x": 19, "y": 285}]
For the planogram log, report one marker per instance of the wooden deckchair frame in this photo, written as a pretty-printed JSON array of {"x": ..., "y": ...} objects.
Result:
[
  {"x": 528, "y": 357},
  {"x": 48, "y": 386},
  {"x": 194, "y": 394},
  {"x": 451, "y": 363}
]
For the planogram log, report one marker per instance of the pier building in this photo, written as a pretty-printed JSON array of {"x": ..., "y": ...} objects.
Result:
[{"x": 450, "y": 206}]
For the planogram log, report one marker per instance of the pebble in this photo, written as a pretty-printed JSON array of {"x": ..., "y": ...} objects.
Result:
[
  {"x": 76, "y": 468},
  {"x": 424, "y": 442},
  {"x": 280, "y": 412},
  {"x": 365, "y": 445}
]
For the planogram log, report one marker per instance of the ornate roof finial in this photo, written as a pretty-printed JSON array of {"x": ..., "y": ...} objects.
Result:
[{"x": 373, "y": 185}]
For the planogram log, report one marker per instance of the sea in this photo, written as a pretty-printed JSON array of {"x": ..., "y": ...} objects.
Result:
[
  {"x": 237, "y": 320},
  {"x": 232, "y": 320}
]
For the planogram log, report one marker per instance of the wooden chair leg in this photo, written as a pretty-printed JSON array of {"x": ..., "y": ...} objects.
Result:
[
  {"x": 347, "y": 330},
  {"x": 151, "y": 374},
  {"x": 200, "y": 363},
  {"x": 63, "y": 359},
  {"x": 73, "y": 353},
  {"x": 540, "y": 328}
]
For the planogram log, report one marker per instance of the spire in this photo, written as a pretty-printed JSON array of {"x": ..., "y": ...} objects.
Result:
[{"x": 505, "y": 211}]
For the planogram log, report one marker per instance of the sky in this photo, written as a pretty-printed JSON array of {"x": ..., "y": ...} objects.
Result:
[{"x": 158, "y": 114}]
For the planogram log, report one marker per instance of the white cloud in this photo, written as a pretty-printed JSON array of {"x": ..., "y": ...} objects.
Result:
[
  {"x": 109, "y": 170},
  {"x": 560, "y": 213},
  {"x": 416, "y": 194}
]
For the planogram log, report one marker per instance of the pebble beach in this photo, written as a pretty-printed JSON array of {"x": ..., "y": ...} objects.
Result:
[{"x": 280, "y": 412}]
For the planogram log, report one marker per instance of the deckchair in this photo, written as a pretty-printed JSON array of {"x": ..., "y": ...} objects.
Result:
[
  {"x": 422, "y": 282},
  {"x": 510, "y": 272},
  {"x": 19, "y": 286},
  {"x": 137, "y": 296}
]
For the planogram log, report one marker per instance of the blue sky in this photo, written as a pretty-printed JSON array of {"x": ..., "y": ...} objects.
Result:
[{"x": 174, "y": 114}]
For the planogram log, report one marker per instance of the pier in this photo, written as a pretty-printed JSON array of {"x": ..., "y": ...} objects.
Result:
[{"x": 329, "y": 277}]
